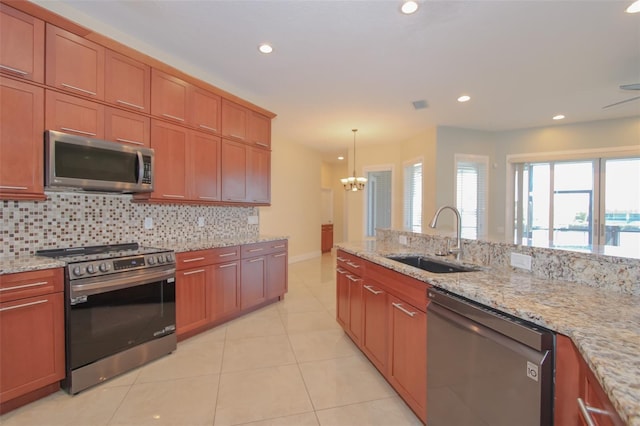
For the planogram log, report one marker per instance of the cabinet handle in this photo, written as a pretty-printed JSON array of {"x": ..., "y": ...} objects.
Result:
[
  {"x": 208, "y": 198},
  {"x": 69, "y": 129},
  {"x": 353, "y": 265},
  {"x": 341, "y": 271},
  {"x": 368, "y": 287},
  {"x": 208, "y": 128},
  {"x": 237, "y": 136},
  {"x": 173, "y": 117},
  {"x": 120, "y": 101},
  {"x": 227, "y": 265},
  {"x": 259, "y": 259},
  {"x": 278, "y": 246},
  {"x": 129, "y": 141},
  {"x": 341, "y": 259},
  {"x": 18, "y": 188},
  {"x": 195, "y": 259},
  {"x": 227, "y": 254},
  {"x": 172, "y": 196},
  {"x": 24, "y": 305},
  {"x": 88, "y": 92},
  {"x": 353, "y": 279},
  {"x": 15, "y": 70},
  {"x": 256, "y": 249},
  {"x": 399, "y": 306},
  {"x": 24, "y": 286},
  {"x": 262, "y": 144},
  {"x": 280, "y": 255},
  {"x": 234, "y": 199},
  {"x": 197, "y": 271},
  {"x": 586, "y": 411}
]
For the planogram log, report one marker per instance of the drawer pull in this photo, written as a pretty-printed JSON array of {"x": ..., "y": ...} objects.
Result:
[
  {"x": 88, "y": 92},
  {"x": 256, "y": 249},
  {"x": 341, "y": 271},
  {"x": 17, "y": 188},
  {"x": 280, "y": 255},
  {"x": 120, "y": 101},
  {"x": 24, "y": 305},
  {"x": 208, "y": 198},
  {"x": 227, "y": 265},
  {"x": 259, "y": 259},
  {"x": 69, "y": 129},
  {"x": 129, "y": 141},
  {"x": 399, "y": 306},
  {"x": 172, "y": 196},
  {"x": 353, "y": 265},
  {"x": 353, "y": 279},
  {"x": 173, "y": 117},
  {"x": 202, "y": 126},
  {"x": 262, "y": 144},
  {"x": 195, "y": 259},
  {"x": 197, "y": 271},
  {"x": 586, "y": 411},
  {"x": 341, "y": 259},
  {"x": 227, "y": 254},
  {"x": 24, "y": 286},
  {"x": 237, "y": 136},
  {"x": 371, "y": 289},
  {"x": 278, "y": 246},
  {"x": 15, "y": 70}
]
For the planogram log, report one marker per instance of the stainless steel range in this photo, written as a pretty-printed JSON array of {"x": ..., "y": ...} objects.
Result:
[{"x": 119, "y": 310}]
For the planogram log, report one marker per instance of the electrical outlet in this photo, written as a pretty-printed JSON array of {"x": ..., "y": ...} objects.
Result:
[
  {"x": 201, "y": 221},
  {"x": 148, "y": 223},
  {"x": 253, "y": 220},
  {"x": 522, "y": 261},
  {"x": 403, "y": 240}
]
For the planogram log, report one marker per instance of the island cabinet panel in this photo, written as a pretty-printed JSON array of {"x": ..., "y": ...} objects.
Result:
[
  {"x": 259, "y": 130},
  {"x": 70, "y": 114},
  {"x": 235, "y": 121},
  {"x": 224, "y": 300},
  {"x": 169, "y": 97},
  {"x": 253, "y": 282},
  {"x": 342, "y": 297},
  {"x": 205, "y": 110},
  {"x": 191, "y": 297},
  {"x": 31, "y": 336},
  {"x": 349, "y": 295},
  {"x": 21, "y": 140},
  {"x": 203, "y": 167},
  {"x": 21, "y": 44},
  {"x": 127, "y": 82},
  {"x": 127, "y": 127},
  {"x": 375, "y": 313},
  {"x": 170, "y": 144},
  {"x": 260, "y": 176},
  {"x": 234, "y": 165},
  {"x": 277, "y": 280},
  {"x": 74, "y": 64}
]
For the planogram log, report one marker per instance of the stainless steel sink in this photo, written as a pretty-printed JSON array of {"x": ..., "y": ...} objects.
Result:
[{"x": 430, "y": 265}]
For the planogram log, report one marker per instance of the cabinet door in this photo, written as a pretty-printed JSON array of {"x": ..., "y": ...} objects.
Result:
[
  {"x": 170, "y": 144},
  {"x": 191, "y": 299},
  {"x": 70, "y": 114},
  {"x": 408, "y": 358},
  {"x": 234, "y": 169},
  {"x": 276, "y": 275},
  {"x": 74, "y": 64},
  {"x": 234, "y": 121},
  {"x": 169, "y": 99},
  {"x": 355, "y": 307},
  {"x": 224, "y": 298},
  {"x": 205, "y": 110},
  {"x": 204, "y": 167},
  {"x": 259, "y": 130},
  {"x": 21, "y": 44},
  {"x": 32, "y": 344},
  {"x": 374, "y": 334},
  {"x": 126, "y": 127},
  {"x": 21, "y": 140},
  {"x": 252, "y": 282},
  {"x": 327, "y": 238},
  {"x": 342, "y": 298},
  {"x": 260, "y": 176},
  {"x": 127, "y": 82}
]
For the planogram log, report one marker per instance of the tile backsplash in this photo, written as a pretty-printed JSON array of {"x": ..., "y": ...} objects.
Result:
[{"x": 72, "y": 219}]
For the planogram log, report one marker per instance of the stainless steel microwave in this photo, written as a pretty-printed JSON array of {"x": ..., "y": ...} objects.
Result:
[{"x": 96, "y": 165}]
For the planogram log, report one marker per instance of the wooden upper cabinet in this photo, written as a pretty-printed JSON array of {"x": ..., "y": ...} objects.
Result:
[
  {"x": 203, "y": 167},
  {"x": 259, "y": 130},
  {"x": 169, "y": 96},
  {"x": 127, "y": 82},
  {"x": 234, "y": 171},
  {"x": 21, "y": 44},
  {"x": 204, "y": 110},
  {"x": 21, "y": 140},
  {"x": 126, "y": 127},
  {"x": 70, "y": 114},
  {"x": 170, "y": 144},
  {"x": 235, "y": 119},
  {"x": 260, "y": 176},
  {"x": 74, "y": 64}
]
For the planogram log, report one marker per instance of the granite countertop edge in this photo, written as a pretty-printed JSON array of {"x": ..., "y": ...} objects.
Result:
[{"x": 604, "y": 326}]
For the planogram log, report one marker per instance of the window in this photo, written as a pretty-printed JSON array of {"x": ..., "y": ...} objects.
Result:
[
  {"x": 471, "y": 194},
  {"x": 378, "y": 200},
  {"x": 412, "y": 213}
]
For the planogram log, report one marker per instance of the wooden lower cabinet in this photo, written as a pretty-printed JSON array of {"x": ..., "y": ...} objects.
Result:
[
  {"x": 375, "y": 314},
  {"x": 277, "y": 280},
  {"x": 326, "y": 243},
  {"x": 191, "y": 299},
  {"x": 252, "y": 282},
  {"x": 342, "y": 297},
  {"x": 355, "y": 307},
  {"x": 225, "y": 298}
]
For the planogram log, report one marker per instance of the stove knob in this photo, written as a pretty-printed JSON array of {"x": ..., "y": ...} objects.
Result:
[
  {"x": 77, "y": 271},
  {"x": 169, "y": 258},
  {"x": 160, "y": 259},
  {"x": 91, "y": 269},
  {"x": 105, "y": 267},
  {"x": 151, "y": 260}
]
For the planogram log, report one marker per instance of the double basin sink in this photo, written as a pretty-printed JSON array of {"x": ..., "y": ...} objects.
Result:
[{"x": 431, "y": 265}]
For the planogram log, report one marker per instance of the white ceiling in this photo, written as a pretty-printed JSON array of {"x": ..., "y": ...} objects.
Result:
[{"x": 337, "y": 65}]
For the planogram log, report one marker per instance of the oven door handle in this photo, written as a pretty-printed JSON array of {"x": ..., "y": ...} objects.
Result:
[{"x": 99, "y": 285}]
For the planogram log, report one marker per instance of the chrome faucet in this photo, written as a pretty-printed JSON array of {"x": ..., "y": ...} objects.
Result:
[{"x": 458, "y": 250}]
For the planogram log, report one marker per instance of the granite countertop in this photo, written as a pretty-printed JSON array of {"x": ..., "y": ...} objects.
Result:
[
  {"x": 604, "y": 325},
  {"x": 28, "y": 263}
]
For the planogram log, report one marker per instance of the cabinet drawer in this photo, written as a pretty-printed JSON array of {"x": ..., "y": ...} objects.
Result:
[
  {"x": 350, "y": 262},
  {"x": 194, "y": 259},
  {"x": 225, "y": 254},
  {"x": 268, "y": 247},
  {"x": 31, "y": 284}
]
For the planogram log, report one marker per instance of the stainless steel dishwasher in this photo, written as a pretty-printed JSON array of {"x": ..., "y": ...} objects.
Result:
[{"x": 486, "y": 368}]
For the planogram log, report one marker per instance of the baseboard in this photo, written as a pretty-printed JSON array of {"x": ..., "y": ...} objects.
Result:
[{"x": 305, "y": 256}]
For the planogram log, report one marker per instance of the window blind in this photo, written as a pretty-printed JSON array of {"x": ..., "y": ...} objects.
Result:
[{"x": 412, "y": 212}]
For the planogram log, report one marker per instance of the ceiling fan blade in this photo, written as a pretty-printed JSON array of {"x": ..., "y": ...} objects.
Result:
[
  {"x": 635, "y": 86},
  {"x": 621, "y": 102}
]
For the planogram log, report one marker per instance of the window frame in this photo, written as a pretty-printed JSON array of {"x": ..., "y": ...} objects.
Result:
[
  {"x": 405, "y": 165},
  {"x": 483, "y": 221}
]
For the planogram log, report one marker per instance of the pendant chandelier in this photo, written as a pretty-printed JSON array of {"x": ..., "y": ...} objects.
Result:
[{"x": 353, "y": 183}]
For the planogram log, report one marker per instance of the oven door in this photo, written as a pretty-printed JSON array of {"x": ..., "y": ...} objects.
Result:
[{"x": 107, "y": 315}]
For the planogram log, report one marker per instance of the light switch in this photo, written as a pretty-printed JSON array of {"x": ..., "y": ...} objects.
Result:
[{"x": 522, "y": 261}]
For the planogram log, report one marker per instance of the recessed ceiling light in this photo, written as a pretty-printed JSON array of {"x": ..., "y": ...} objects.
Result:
[
  {"x": 558, "y": 117},
  {"x": 265, "y": 48},
  {"x": 341, "y": 158},
  {"x": 409, "y": 6},
  {"x": 464, "y": 98},
  {"x": 634, "y": 8}
]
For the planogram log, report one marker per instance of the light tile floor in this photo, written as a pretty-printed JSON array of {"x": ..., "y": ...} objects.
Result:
[{"x": 286, "y": 364}]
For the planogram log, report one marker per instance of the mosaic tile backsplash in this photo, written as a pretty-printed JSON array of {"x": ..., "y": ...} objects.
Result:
[{"x": 80, "y": 219}]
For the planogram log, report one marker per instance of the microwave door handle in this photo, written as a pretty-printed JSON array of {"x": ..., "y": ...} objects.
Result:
[{"x": 140, "y": 167}]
